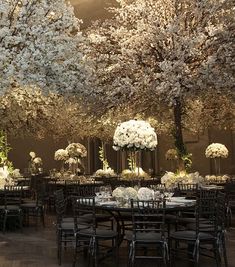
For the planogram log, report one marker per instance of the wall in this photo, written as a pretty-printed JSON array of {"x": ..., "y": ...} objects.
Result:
[{"x": 149, "y": 160}]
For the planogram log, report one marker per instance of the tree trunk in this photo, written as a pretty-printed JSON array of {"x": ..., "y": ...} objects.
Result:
[{"x": 178, "y": 135}]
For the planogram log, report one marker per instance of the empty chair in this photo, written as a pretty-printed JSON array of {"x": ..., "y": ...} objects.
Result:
[
  {"x": 206, "y": 230},
  {"x": 148, "y": 218},
  {"x": 92, "y": 237},
  {"x": 12, "y": 205}
]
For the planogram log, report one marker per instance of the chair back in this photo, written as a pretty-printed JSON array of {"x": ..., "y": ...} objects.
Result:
[
  {"x": 72, "y": 187},
  {"x": 12, "y": 195},
  {"x": 221, "y": 210},
  {"x": 206, "y": 208},
  {"x": 187, "y": 190},
  {"x": 83, "y": 206},
  {"x": 60, "y": 204},
  {"x": 148, "y": 217}
]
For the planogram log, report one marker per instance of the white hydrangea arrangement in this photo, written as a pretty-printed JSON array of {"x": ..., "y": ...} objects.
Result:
[
  {"x": 130, "y": 193},
  {"x": 124, "y": 192},
  {"x": 134, "y": 135},
  {"x": 145, "y": 193},
  {"x": 171, "y": 179},
  {"x": 216, "y": 150},
  {"x": 118, "y": 192}
]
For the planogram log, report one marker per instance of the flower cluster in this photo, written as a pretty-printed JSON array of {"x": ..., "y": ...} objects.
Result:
[
  {"x": 108, "y": 172},
  {"x": 216, "y": 150},
  {"x": 171, "y": 179},
  {"x": 136, "y": 135},
  {"x": 145, "y": 193},
  {"x": 171, "y": 154},
  {"x": 61, "y": 154},
  {"x": 76, "y": 150}
]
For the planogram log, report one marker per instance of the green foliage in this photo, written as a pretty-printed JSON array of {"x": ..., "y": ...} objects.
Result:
[
  {"x": 4, "y": 150},
  {"x": 102, "y": 158},
  {"x": 131, "y": 160}
]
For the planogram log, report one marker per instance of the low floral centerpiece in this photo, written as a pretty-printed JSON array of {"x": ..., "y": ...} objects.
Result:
[
  {"x": 171, "y": 179},
  {"x": 216, "y": 151},
  {"x": 210, "y": 179},
  {"x": 134, "y": 136},
  {"x": 107, "y": 172},
  {"x": 138, "y": 172},
  {"x": 145, "y": 193}
]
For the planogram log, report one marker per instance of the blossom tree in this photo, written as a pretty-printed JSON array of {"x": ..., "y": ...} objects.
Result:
[
  {"x": 40, "y": 44},
  {"x": 159, "y": 55},
  {"x": 29, "y": 112}
]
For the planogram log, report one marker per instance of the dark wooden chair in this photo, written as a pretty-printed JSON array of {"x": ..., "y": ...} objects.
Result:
[
  {"x": 93, "y": 238},
  {"x": 148, "y": 218}
]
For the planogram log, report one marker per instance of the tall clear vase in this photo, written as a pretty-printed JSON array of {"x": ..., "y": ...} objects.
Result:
[{"x": 217, "y": 162}]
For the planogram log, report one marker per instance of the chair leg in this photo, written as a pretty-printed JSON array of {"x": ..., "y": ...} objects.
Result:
[
  {"x": 224, "y": 251},
  {"x": 217, "y": 254},
  {"x": 59, "y": 246},
  {"x": 4, "y": 223}
]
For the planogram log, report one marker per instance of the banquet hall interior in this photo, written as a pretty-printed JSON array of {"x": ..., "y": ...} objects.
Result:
[{"x": 117, "y": 133}]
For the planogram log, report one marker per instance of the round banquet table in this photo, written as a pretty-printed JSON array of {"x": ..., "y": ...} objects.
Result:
[{"x": 176, "y": 205}]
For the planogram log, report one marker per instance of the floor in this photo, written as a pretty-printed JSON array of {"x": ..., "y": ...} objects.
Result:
[{"x": 37, "y": 248}]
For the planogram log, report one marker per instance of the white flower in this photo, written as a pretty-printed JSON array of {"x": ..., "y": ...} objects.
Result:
[
  {"x": 118, "y": 192},
  {"x": 171, "y": 179},
  {"x": 61, "y": 154},
  {"x": 216, "y": 150},
  {"x": 32, "y": 154},
  {"x": 134, "y": 134},
  {"x": 130, "y": 193},
  {"x": 145, "y": 193}
]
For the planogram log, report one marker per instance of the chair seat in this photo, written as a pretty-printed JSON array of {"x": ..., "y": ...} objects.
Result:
[
  {"x": 30, "y": 205},
  {"x": 145, "y": 237},
  {"x": 99, "y": 217},
  {"x": 204, "y": 227},
  {"x": 69, "y": 225},
  {"x": 190, "y": 235},
  {"x": 68, "y": 219},
  {"x": 100, "y": 233},
  {"x": 12, "y": 208}
]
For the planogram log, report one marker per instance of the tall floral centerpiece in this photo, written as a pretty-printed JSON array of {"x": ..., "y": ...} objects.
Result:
[
  {"x": 76, "y": 152},
  {"x": 216, "y": 151},
  {"x": 134, "y": 136},
  {"x": 35, "y": 163},
  {"x": 61, "y": 155}
]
